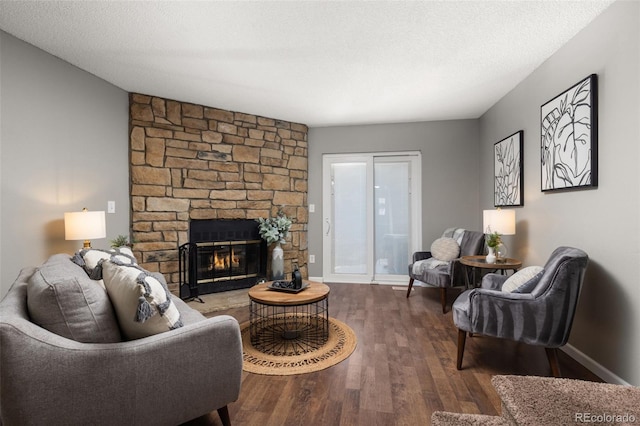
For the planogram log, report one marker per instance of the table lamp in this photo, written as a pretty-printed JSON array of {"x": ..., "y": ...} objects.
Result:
[
  {"x": 498, "y": 222},
  {"x": 84, "y": 225}
]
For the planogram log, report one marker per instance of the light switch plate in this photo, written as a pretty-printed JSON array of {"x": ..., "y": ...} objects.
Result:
[{"x": 111, "y": 206}]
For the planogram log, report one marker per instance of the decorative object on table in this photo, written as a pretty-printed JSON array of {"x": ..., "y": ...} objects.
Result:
[
  {"x": 275, "y": 230},
  {"x": 508, "y": 181},
  {"x": 569, "y": 138},
  {"x": 287, "y": 286},
  {"x": 493, "y": 240},
  {"x": 497, "y": 223},
  {"x": 294, "y": 286},
  {"x": 85, "y": 225}
]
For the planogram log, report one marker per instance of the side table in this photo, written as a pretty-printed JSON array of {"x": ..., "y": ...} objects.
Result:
[
  {"x": 478, "y": 263},
  {"x": 281, "y": 323}
]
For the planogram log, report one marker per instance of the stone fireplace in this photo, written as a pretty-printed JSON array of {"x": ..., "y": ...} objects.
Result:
[
  {"x": 221, "y": 255},
  {"x": 191, "y": 162}
]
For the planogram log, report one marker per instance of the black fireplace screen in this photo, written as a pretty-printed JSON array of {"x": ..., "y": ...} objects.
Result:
[
  {"x": 224, "y": 261},
  {"x": 221, "y": 261}
]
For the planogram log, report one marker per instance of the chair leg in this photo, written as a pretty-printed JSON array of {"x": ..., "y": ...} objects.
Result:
[
  {"x": 223, "y": 412},
  {"x": 552, "y": 356},
  {"x": 410, "y": 286},
  {"x": 443, "y": 299},
  {"x": 462, "y": 338}
]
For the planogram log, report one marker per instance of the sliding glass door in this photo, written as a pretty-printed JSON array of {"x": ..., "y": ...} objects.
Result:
[{"x": 371, "y": 210}]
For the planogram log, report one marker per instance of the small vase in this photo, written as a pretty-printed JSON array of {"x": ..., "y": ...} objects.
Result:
[
  {"x": 491, "y": 257},
  {"x": 277, "y": 263}
]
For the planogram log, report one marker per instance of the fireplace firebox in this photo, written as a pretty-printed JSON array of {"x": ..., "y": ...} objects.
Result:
[{"x": 221, "y": 255}]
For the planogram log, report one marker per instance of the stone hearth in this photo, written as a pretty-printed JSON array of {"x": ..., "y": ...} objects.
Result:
[{"x": 196, "y": 162}]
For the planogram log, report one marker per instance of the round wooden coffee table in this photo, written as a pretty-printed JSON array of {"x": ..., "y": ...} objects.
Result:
[
  {"x": 285, "y": 323},
  {"x": 480, "y": 262}
]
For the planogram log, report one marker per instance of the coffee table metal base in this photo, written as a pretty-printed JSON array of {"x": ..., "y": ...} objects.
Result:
[{"x": 289, "y": 330}]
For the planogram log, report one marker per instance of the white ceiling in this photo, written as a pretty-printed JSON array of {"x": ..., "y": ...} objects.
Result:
[{"x": 320, "y": 63}]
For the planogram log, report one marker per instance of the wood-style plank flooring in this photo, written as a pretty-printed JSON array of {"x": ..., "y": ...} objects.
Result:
[{"x": 402, "y": 370}]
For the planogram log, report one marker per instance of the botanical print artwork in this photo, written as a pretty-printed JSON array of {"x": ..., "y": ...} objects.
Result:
[
  {"x": 569, "y": 138},
  {"x": 507, "y": 166}
]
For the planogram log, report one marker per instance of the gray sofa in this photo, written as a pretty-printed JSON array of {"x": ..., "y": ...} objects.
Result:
[{"x": 163, "y": 379}]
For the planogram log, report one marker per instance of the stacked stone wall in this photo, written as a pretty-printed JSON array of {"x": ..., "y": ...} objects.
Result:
[{"x": 195, "y": 162}]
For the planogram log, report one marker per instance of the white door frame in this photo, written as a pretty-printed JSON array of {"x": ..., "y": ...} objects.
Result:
[{"x": 415, "y": 159}]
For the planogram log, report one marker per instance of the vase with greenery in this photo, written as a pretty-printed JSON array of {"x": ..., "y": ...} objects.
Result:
[
  {"x": 275, "y": 230},
  {"x": 493, "y": 240}
]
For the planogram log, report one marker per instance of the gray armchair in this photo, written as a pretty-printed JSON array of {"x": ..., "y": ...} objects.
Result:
[
  {"x": 450, "y": 274},
  {"x": 542, "y": 316}
]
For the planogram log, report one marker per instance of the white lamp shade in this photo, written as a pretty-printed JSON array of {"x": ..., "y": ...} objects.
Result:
[
  {"x": 84, "y": 225},
  {"x": 501, "y": 221}
]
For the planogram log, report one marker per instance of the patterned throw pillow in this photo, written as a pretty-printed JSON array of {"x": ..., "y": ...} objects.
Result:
[
  {"x": 523, "y": 281},
  {"x": 91, "y": 259},
  {"x": 142, "y": 303},
  {"x": 445, "y": 249}
]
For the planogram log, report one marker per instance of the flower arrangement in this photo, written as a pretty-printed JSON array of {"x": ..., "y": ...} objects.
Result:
[{"x": 274, "y": 229}]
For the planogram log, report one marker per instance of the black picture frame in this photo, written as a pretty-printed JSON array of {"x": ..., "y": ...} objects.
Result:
[
  {"x": 508, "y": 176},
  {"x": 569, "y": 138}
]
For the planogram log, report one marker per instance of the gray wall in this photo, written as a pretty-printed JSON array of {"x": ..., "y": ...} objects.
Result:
[
  {"x": 64, "y": 146},
  {"x": 604, "y": 221},
  {"x": 450, "y": 187}
]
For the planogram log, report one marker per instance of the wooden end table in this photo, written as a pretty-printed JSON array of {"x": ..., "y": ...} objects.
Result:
[
  {"x": 478, "y": 263},
  {"x": 282, "y": 323}
]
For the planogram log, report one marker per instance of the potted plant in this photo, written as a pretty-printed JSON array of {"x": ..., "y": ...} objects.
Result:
[{"x": 120, "y": 241}]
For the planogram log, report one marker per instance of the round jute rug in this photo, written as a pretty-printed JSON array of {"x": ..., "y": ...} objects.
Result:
[{"x": 341, "y": 343}]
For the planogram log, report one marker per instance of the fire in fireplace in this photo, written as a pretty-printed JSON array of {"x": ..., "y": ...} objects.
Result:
[{"x": 221, "y": 255}]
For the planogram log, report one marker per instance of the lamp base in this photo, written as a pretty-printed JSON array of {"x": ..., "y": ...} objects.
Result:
[{"x": 87, "y": 245}]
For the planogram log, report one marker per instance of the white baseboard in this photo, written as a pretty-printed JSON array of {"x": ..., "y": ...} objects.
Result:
[
  {"x": 596, "y": 368},
  {"x": 316, "y": 279}
]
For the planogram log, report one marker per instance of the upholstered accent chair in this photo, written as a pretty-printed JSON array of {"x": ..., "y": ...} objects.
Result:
[
  {"x": 541, "y": 313},
  {"x": 445, "y": 271}
]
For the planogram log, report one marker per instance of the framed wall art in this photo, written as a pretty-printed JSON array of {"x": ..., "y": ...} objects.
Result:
[
  {"x": 508, "y": 182},
  {"x": 569, "y": 138}
]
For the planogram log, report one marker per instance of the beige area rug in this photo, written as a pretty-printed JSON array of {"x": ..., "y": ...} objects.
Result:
[
  {"x": 340, "y": 345},
  {"x": 221, "y": 301}
]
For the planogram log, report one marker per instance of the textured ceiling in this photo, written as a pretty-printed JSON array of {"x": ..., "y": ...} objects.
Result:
[{"x": 315, "y": 62}]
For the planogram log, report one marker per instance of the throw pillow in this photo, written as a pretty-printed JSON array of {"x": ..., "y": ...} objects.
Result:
[
  {"x": 524, "y": 280},
  {"x": 64, "y": 300},
  {"x": 445, "y": 249},
  {"x": 143, "y": 303},
  {"x": 91, "y": 259}
]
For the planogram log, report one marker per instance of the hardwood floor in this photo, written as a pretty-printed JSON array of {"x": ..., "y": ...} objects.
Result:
[{"x": 402, "y": 370}]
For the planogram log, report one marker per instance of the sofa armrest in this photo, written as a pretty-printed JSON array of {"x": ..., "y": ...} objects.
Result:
[{"x": 168, "y": 378}]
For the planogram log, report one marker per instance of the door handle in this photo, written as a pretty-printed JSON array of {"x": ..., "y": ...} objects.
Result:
[{"x": 329, "y": 226}]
